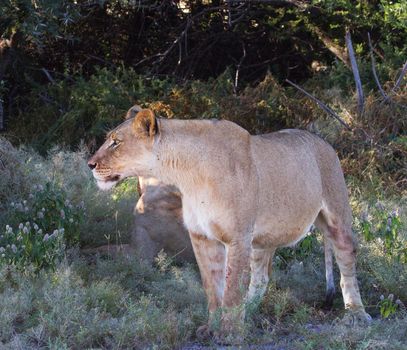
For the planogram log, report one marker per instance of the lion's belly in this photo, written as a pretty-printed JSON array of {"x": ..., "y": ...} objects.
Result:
[
  {"x": 284, "y": 216},
  {"x": 290, "y": 192},
  {"x": 281, "y": 232}
]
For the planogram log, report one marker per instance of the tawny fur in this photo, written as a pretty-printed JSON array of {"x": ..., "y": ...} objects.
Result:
[{"x": 243, "y": 196}]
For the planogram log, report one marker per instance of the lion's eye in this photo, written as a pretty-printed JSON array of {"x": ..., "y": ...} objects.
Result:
[{"x": 114, "y": 144}]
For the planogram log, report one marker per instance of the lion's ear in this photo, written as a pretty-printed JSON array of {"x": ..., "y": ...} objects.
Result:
[
  {"x": 131, "y": 113},
  {"x": 145, "y": 123}
]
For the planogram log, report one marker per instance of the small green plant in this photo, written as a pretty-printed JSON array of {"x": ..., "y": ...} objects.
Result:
[
  {"x": 384, "y": 227},
  {"x": 387, "y": 306},
  {"x": 301, "y": 251},
  {"x": 50, "y": 209},
  {"x": 40, "y": 228},
  {"x": 29, "y": 245}
]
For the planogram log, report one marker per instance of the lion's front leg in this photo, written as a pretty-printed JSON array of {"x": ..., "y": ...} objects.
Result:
[
  {"x": 236, "y": 286},
  {"x": 210, "y": 256}
]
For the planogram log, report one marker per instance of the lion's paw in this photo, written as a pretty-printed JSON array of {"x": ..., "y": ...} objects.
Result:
[
  {"x": 354, "y": 318},
  {"x": 204, "y": 333}
]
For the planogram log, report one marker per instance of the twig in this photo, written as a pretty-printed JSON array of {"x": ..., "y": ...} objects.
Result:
[
  {"x": 1, "y": 115},
  {"x": 229, "y": 15},
  {"x": 400, "y": 78},
  {"x": 50, "y": 78},
  {"x": 190, "y": 21},
  {"x": 101, "y": 60},
  {"x": 320, "y": 104},
  {"x": 355, "y": 70},
  {"x": 386, "y": 98},
  {"x": 238, "y": 69},
  {"x": 297, "y": 3},
  {"x": 241, "y": 5}
]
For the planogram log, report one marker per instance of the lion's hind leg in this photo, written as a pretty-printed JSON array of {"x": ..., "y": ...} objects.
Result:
[
  {"x": 260, "y": 266},
  {"x": 338, "y": 234}
]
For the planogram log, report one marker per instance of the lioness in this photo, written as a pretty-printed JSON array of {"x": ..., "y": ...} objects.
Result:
[
  {"x": 158, "y": 225},
  {"x": 243, "y": 197},
  {"x": 158, "y": 222}
]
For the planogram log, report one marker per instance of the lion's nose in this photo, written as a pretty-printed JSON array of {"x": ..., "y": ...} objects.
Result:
[{"x": 92, "y": 164}]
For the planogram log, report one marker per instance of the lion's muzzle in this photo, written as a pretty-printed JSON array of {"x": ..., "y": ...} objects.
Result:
[
  {"x": 92, "y": 164},
  {"x": 100, "y": 171}
]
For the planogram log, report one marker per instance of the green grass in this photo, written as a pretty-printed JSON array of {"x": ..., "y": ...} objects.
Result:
[
  {"x": 126, "y": 304},
  {"x": 109, "y": 304}
]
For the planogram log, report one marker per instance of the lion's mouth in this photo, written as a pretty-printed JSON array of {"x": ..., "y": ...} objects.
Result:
[
  {"x": 106, "y": 181},
  {"x": 109, "y": 178},
  {"x": 113, "y": 178}
]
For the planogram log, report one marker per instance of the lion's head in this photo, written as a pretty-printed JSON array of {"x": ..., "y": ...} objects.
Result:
[{"x": 127, "y": 150}]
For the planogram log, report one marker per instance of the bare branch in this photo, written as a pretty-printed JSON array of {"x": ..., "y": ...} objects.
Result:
[
  {"x": 48, "y": 75},
  {"x": 400, "y": 78},
  {"x": 303, "y": 5},
  {"x": 240, "y": 12},
  {"x": 1, "y": 115},
  {"x": 190, "y": 21},
  {"x": 355, "y": 70},
  {"x": 238, "y": 69},
  {"x": 374, "y": 69},
  {"x": 330, "y": 44},
  {"x": 386, "y": 97},
  {"x": 322, "y": 105}
]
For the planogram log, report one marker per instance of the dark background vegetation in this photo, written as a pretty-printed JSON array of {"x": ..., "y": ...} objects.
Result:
[{"x": 69, "y": 69}]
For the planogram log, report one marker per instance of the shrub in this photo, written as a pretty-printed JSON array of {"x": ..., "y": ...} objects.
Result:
[
  {"x": 107, "y": 213},
  {"x": 383, "y": 226},
  {"x": 50, "y": 208},
  {"x": 75, "y": 108},
  {"x": 29, "y": 246},
  {"x": 388, "y": 306},
  {"x": 51, "y": 222}
]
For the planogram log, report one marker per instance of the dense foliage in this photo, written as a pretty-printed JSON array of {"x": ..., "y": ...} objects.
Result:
[
  {"x": 192, "y": 39},
  {"x": 70, "y": 69},
  {"x": 198, "y": 39}
]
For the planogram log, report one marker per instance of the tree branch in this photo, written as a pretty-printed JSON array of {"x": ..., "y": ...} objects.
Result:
[
  {"x": 336, "y": 49},
  {"x": 238, "y": 69},
  {"x": 48, "y": 75},
  {"x": 320, "y": 104},
  {"x": 355, "y": 70},
  {"x": 400, "y": 78},
  {"x": 374, "y": 69}
]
